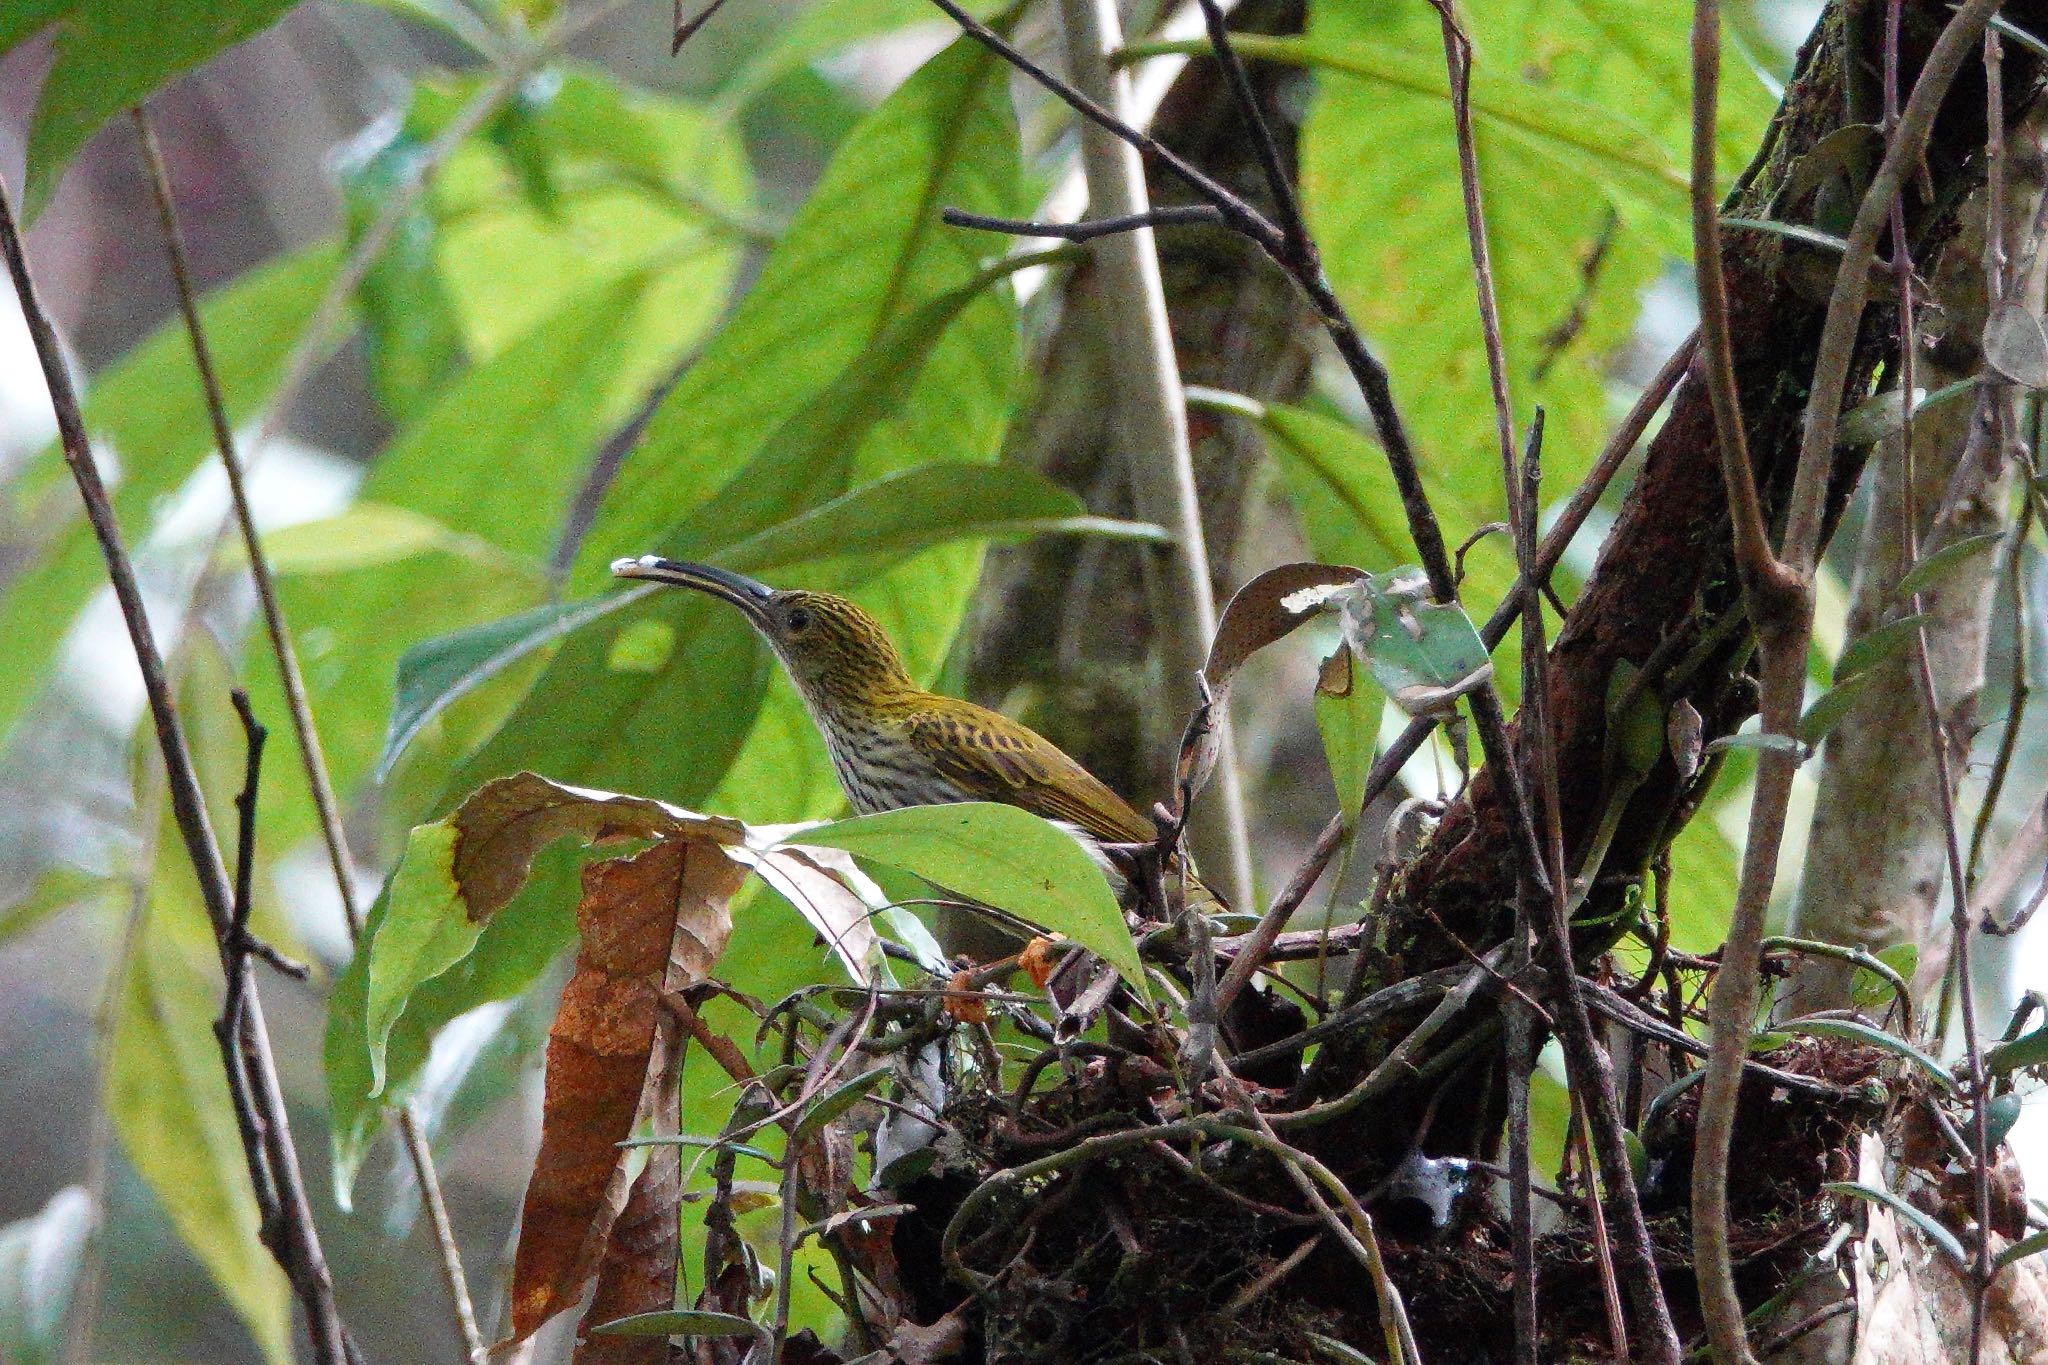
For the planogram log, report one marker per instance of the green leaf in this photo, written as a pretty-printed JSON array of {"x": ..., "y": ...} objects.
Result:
[
  {"x": 1874, "y": 419},
  {"x": 801, "y": 36},
  {"x": 168, "y": 1099},
  {"x": 1757, "y": 740},
  {"x": 148, "y": 409},
  {"x": 1638, "y": 736},
  {"x": 1004, "y": 857},
  {"x": 368, "y": 535},
  {"x": 1581, "y": 128},
  {"x": 1873, "y": 990},
  {"x": 642, "y": 185},
  {"x": 1940, "y": 1237},
  {"x": 1931, "y": 569},
  {"x": 866, "y": 249},
  {"x": 411, "y": 337},
  {"x": 497, "y": 452},
  {"x": 869, "y": 344},
  {"x": 39, "y": 1258},
  {"x": 914, "y": 509},
  {"x": 1854, "y": 1032},
  {"x": 1424, "y": 654},
  {"x": 425, "y": 931},
  {"x": 1878, "y": 645},
  {"x": 2001, "y": 1116},
  {"x": 681, "y": 1323},
  {"x": 1830, "y": 708},
  {"x": 434, "y": 674},
  {"x": 110, "y": 55},
  {"x": 838, "y": 1100},
  {"x": 1350, "y": 728},
  {"x": 2027, "y": 1050}
]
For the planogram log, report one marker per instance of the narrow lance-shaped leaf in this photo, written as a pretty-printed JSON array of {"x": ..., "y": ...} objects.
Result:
[{"x": 887, "y": 519}]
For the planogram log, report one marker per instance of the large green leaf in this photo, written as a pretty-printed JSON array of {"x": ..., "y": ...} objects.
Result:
[
  {"x": 1004, "y": 857},
  {"x": 169, "y": 1101},
  {"x": 148, "y": 412},
  {"x": 39, "y": 1258},
  {"x": 110, "y": 55},
  {"x": 870, "y": 344},
  {"x": 804, "y": 34},
  {"x": 1580, "y": 114},
  {"x": 886, "y": 520},
  {"x": 582, "y": 181},
  {"x": 492, "y": 463},
  {"x": 866, "y": 249}
]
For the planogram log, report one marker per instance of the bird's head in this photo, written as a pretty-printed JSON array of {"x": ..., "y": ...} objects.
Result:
[{"x": 835, "y": 653}]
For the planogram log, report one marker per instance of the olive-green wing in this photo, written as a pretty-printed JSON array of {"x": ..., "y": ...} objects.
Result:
[{"x": 997, "y": 759}]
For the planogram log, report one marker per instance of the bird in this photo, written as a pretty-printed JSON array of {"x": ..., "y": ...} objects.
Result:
[{"x": 892, "y": 743}]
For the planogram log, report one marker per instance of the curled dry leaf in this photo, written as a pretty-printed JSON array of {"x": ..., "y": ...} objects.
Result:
[
  {"x": 508, "y": 820},
  {"x": 648, "y": 923},
  {"x": 1266, "y": 609},
  {"x": 1039, "y": 958},
  {"x": 820, "y": 883},
  {"x": 964, "y": 1002}
]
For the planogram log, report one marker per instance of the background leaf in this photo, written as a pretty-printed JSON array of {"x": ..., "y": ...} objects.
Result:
[
  {"x": 39, "y": 1259},
  {"x": 110, "y": 55}
]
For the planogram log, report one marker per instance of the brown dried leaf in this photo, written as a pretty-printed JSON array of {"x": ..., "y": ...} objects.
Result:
[
  {"x": 964, "y": 1002},
  {"x": 508, "y": 820},
  {"x": 1039, "y": 958},
  {"x": 1262, "y": 611},
  {"x": 639, "y": 915},
  {"x": 1266, "y": 609},
  {"x": 638, "y": 1273}
]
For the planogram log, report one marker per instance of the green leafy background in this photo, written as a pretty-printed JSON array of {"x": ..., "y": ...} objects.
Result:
[{"x": 845, "y": 371}]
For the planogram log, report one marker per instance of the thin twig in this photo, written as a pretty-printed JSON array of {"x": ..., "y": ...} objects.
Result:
[
  {"x": 1458, "y": 67},
  {"x": 292, "y": 679},
  {"x": 1251, "y": 955},
  {"x": 1590, "y": 1071},
  {"x": 1168, "y": 215},
  {"x": 1784, "y": 636},
  {"x": 1763, "y": 577},
  {"x": 1923, "y": 671},
  {"x": 273, "y": 1161}
]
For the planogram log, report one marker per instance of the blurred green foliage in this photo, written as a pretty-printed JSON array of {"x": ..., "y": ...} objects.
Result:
[{"x": 845, "y": 384}]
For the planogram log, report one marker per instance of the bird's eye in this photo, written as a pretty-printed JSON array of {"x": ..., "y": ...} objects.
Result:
[{"x": 798, "y": 619}]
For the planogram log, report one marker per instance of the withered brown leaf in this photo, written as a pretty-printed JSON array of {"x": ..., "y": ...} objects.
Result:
[{"x": 640, "y": 914}]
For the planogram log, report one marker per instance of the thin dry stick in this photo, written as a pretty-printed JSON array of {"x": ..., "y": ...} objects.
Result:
[
  {"x": 1458, "y": 65},
  {"x": 289, "y": 1230},
  {"x": 1519, "y": 502},
  {"x": 1293, "y": 250},
  {"x": 1783, "y": 625},
  {"x": 1252, "y": 954},
  {"x": 1153, "y": 413},
  {"x": 304, "y": 730}
]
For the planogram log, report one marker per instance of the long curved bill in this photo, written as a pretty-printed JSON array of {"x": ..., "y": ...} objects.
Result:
[{"x": 749, "y": 595}]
